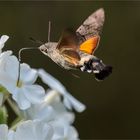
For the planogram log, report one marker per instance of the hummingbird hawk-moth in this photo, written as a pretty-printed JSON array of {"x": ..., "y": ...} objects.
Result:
[{"x": 75, "y": 50}]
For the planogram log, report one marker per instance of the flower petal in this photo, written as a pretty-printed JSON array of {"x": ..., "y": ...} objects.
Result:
[
  {"x": 9, "y": 65},
  {"x": 3, "y": 132},
  {"x": 5, "y": 54},
  {"x": 46, "y": 114},
  {"x": 7, "y": 82},
  {"x": 28, "y": 75},
  {"x": 3, "y": 39},
  {"x": 50, "y": 110},
  {"x": 40, "y": 112},
  {"x": 61, "y": 114},
  {"x": 64, "y": 131},
  {"x": 78, "y": 106},
  {"x": 51, "y": 81},
  {"x": 70, "y": 133},
  {"x": 11, "y": 135},
  {"x": 69, "y": 100},
  {"x": 21, "y": 99},
  {"x": 34, "y": 93},
  {"x": 33, "y": 130},
  {"x": 67, "y": 103}
]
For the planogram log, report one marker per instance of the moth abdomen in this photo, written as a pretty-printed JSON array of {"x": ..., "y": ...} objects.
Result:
[
  {"x": 96, "y": 66},
  {"x": 104, "y": 73}
]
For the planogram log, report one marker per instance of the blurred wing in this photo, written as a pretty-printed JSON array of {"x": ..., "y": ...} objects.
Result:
[
  {"x": 68, "y": 40},
  {"x": 71, "y": 56},
  {"x": 68, "y": 46},
  {"x": 90, "y": 30}
]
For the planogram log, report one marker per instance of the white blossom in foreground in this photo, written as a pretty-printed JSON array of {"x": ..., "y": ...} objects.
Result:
[
  {"x": 53, "y": 112},
  {"x": 25, "y": 92},
  {"x": 33, "y": 130},
  {"x": 38, "y": 130},
  {"x": 44, "y": 116},
  {"x": 51, "y": 109},
  {"x": 69, "y": 101},
  {"x": 64, "y": 132},
  {"x": 3, "y": 39},
  {"x": 8, "y": 62},
  {"x": 5, "y": 134}
]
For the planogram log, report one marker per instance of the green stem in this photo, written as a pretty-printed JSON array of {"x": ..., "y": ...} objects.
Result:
[
  {"x": 14, "y": 107},
  {"x": 16, "y": 123}
]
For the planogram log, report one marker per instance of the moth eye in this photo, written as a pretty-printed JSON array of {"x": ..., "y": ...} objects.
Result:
[
  {"x": 45, "y": 50},
  {"x": 95, "y": 16},
  {"x": 41, "y": 49}
]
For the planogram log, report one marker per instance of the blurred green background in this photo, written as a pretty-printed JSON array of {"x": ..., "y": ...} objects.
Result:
[{"x": 113, "y": 105}]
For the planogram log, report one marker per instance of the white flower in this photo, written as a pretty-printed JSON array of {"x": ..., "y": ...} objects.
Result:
[
  {"x": 7, "y": 63},
  {"x": 5, "y": 134},
  {"x": 51, "y": 109},
  {"x": 25, "y": 92},
  {"x": 53, "y": 83},
  {"x": 60, "y": 112},
  {"x": 3, "y": 39},
  {"x": 64, "y": 132},
  {"x": 33, "y": 130},
  {"x": 53, "y": 112}
]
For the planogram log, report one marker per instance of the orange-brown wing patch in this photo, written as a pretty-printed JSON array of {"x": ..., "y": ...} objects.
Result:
[{"x": 90, "y": 45}]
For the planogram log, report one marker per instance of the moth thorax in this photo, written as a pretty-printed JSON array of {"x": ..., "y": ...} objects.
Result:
[{"x": 85, "y": 59}]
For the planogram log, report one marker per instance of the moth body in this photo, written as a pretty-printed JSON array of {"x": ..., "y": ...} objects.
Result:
[
  {"x": 75, "y": 50},
  {"x": 87, "y": 63},
  {"x": 50, "y": 49}
]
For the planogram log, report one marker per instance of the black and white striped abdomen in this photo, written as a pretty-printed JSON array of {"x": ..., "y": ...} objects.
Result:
[{"x": 96, "y": 66}]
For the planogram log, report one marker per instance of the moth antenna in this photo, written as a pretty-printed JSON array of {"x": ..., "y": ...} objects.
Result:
[
  {"x": 36, "y": 41},
  {"x": 19, "y": 59},
  {"x": 49, "y": 31}
]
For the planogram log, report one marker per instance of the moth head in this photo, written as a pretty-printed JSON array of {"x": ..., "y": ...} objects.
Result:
[{"x": 45, "y": 47}]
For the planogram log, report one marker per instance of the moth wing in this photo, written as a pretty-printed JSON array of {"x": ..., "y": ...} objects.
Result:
[
  {"x": 71, "y": 56},
  {"x": 91, "y": 28},
  {"x": 68, "y": 40},
  {"x": 90, "y": 45},
  {"x": 68, "y": 46}
]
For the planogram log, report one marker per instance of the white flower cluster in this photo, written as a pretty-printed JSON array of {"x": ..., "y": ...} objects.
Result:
[{"x": 44, "y": 115}]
